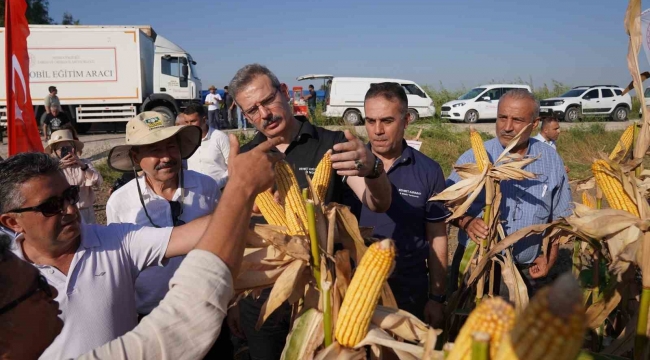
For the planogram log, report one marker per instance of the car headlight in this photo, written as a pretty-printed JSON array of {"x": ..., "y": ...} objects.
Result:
[
  {"x": 459, "y": 104},
  {"x": 558, "y": 103}
]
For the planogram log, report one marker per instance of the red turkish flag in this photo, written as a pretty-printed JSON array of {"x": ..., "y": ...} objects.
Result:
[{"x": 21, "y": 123}]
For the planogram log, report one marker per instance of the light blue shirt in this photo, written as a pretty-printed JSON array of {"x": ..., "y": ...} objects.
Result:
[
  {"x": 541, "y": 138},
  {"x": 528, "y": 202}
]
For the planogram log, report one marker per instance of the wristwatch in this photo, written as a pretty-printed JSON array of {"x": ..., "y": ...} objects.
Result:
[
  {"x": 377, "y": 169},
  {"x": 438, "y": 298}
]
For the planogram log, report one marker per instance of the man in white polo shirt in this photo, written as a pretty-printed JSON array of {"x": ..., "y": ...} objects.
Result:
[
  {"x": 212, "y": 100},
  {"x": 164, "y": 196},
  {"x": 92, "y": 267},
  {"x": 211, "y": 158}
]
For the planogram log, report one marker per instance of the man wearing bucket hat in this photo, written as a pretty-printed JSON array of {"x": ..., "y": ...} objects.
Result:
[
  {"x": 212, "y": 100},
  {"x": 81, "y": 173}
]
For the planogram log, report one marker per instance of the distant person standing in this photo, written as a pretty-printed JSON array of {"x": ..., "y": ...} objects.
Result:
[
  {"x": 311, "y": 101},
  {"x": 549, "y": 133},
  {"x": 51, "y": 100},
  {"x": 53, "y": 121},
  {"x": 212, "y": 100},
  {"x": 230, "y": 117}
]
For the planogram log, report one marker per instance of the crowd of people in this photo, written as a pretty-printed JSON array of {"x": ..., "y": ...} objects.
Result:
[{"x": 157, "y": 281}]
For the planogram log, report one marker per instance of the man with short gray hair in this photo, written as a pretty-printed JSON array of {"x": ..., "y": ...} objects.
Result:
[
  {"x": 54, "y": 121},
  {"x": 537, "y": 201}
]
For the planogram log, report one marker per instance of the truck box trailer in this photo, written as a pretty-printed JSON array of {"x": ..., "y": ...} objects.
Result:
[{"x": 106, "y": 73}]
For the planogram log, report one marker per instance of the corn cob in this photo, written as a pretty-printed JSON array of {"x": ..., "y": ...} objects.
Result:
[
  {"x": 552, "y": 326},
  {"x": 322, "y": 176},
  {"x": 612, "y": 188},
  {"x": 294, "y": 206},
  {"x": 624, "y": 143},
  {"x": 363, "y": 293},
  {"x": 272, "y": 211},
  {"x": 494, "y": 316},
  {"x": 481, "y": 156},
  {"x": 587, "y": 200}
]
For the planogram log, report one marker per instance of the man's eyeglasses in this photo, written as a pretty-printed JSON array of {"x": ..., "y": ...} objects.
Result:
[
  {"x": 41, "y": 285},
  {"x": 54, "y": 205},
  {"x": 253, "y": 113}
]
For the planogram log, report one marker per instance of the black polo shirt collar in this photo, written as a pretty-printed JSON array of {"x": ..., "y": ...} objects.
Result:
[
  {"x": 407, "y": 156},
  {"x": 306, "y": 131}
]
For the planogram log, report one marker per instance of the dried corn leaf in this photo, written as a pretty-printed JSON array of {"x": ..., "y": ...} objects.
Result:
[
  {"x": 401, "y": 323},
  {"x": 343, "y": 270},
  {"x": 254, "y": 240},
  {"x": 625, "y": 341},
  {"x": 296, "y": 247},
  {"x": 349, "y": 234},
  {"x": 387, "y": 297},
  {"x": 283, "y": 288},
  {"x": 404, "y": 351},
  {"x": 338, "y": 352},
  {"x": 517, "y": 291},
  {"x": 599, "y": 311},
  {"x": 512, "y": 144},
  {"x": 257, "y": 279}
]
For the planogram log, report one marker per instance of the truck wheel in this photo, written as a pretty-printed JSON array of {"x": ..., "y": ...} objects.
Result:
[
  {"x": 572, "y": 114},
  {"x": 620, "y": 113},
  {"x": 165, "y": 111},
  {"x": 352, "y": 117},
  {"x": 414, "y": 115},
  {"x": 471, "y": 116}
]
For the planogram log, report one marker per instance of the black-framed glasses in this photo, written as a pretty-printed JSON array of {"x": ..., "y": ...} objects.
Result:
[
  {"x": 41, "y": 285},
  {"x": 54, "y": 205},
  {"x": 177, "y": 211},
  {"x": 253, "y": 112}
]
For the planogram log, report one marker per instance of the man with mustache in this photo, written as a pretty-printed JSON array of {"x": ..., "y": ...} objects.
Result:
[
  {"x": 164, "y": 196},
  {"x": 184, "y": 326},
  {"x": 357, "y": 172},
  {"x": 524, "y": 203}
]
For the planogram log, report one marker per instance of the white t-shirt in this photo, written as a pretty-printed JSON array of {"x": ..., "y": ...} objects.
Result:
[
  {"x": 201, "y": 198},
  {"x": 213, "y": 100},
  {"x": 96, "y": 298},
  {"x": 211, "y": 158}
]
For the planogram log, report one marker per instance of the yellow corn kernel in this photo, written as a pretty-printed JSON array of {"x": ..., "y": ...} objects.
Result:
[
  {"x": 624, "y": 143},
  {"x": 588, "y": 200},
  {"x": 294, "y": 205},
  {"x": 612, "y": 188},
  {"x": 552, "y": 326},
  {"x": 322, "y": 176},
  {"x": 363, "y": 293},
  {"x": 493, "y": 316},
  {"x": 272, "y": 211},
  {"x": 481, "y": 156}
]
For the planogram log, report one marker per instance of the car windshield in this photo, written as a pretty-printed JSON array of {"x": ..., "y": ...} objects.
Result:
[
  {"x": 573, "y": 93},
  {"x": 472, "y": 94},
  {"x": 646, "y": 93}
]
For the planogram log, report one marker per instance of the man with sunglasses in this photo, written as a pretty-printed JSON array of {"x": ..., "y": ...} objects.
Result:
[
  {"x": 165, "y": 195},
  {"x": 358, "y": 173},
  {"x": 92, "y": 267},
  {"x": 186, "y": 323}
]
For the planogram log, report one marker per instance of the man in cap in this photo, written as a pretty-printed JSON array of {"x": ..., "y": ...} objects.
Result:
[
  {"x": 92, "y": 267},
  {"x": 212, "y": 100},
  {"x": 357, "y": 172},
  {"x": 164, "y": 196}
]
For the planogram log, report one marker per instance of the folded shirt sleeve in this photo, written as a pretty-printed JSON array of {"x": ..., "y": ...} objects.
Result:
[{"x": 188, "y": 319}]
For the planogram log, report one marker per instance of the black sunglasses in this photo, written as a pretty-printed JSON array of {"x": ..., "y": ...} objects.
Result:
[
  {"x": 54, "y": 205},
  {"x": 41, "y": 285}
]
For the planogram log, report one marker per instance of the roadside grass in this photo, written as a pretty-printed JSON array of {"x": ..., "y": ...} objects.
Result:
[
  {"x": 108, "y": 174},
  {"x": 577, "y": 146}
]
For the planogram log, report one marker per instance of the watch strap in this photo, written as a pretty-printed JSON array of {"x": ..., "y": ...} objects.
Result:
[
  {"x": 375, "y": 170},
  {"x": 438, "y": 298}
]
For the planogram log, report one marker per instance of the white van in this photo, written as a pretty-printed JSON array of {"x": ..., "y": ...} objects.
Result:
[
  {"x": 478, "y": 103},
  {"x": 346, "y": 96}
]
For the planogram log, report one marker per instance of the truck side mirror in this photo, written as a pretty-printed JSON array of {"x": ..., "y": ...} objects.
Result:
[{"x": 186, "y": 71}]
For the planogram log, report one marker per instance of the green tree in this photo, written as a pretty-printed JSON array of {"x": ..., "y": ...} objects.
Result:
[
  {"x": 68, "y": 19},
  {"x": 38, "y": 13}
]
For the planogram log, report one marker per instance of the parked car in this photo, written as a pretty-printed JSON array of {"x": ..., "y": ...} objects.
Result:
[
  {"x": 479, "y": 103},
  {"x": 346, "y": 96},
  {"x": 646, "y": 94},
  {"x": 595, "y": 100}
]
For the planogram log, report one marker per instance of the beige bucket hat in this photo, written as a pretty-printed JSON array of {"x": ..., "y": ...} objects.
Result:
[
  {"x": 60, "y": 136},
  {"x": 149, "y": 128}
]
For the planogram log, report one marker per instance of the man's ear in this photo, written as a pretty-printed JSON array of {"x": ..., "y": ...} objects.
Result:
[
  {"x": 536, "y": 123},
  {"x": 9, "y": 221},
  {"x": 134, "y": 156}
]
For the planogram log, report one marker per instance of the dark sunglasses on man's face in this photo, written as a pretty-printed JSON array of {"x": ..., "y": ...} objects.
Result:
[
  {"x": 54, "y": 205},
  {"x": 41, "y": 285}
]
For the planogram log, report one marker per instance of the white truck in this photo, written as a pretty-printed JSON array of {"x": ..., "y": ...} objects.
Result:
[{"x": 106, "y": 73}]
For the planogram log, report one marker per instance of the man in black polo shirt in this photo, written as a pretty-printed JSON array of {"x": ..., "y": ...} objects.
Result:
[
  {"x": 416, "y": 224},
  {"x": 256, "y": 90}
]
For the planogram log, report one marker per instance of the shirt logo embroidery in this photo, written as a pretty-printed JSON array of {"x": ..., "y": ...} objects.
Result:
[
  {"x": 409, "y": 193},
  {"x": 154, "y": 122}
]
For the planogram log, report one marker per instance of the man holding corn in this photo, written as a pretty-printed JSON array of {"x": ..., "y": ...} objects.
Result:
[
  {"x": 537, "y": 201},
  {"x": 358, "y": 172},
  {"x": 415, "y": 224}
]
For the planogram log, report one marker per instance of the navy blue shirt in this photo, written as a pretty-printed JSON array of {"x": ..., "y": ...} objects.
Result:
[{"x": 414, "y": 179}]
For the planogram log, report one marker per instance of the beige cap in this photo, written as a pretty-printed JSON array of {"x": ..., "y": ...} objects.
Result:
[
  {"x": 60, "y": 136},
  {"x": 149, "y": 128}
]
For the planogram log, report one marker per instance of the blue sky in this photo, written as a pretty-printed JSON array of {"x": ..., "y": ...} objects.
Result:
[{"x": 455, "y": 42}]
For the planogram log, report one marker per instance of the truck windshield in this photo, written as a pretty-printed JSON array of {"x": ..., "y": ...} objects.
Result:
[
  {"x": 472, "y": 94},
  {"x": 193, "y": 70}
]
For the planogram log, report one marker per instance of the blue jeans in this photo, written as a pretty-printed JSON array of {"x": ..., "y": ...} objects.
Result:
[
  {"x": 213, "y": 119},
  {"x": 241, "y": 120}
]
